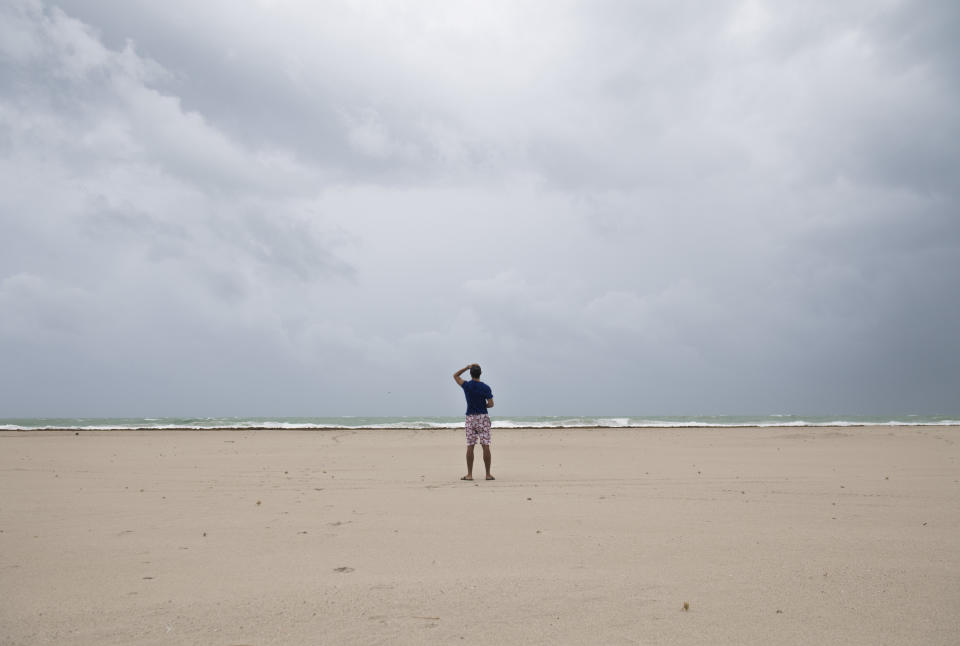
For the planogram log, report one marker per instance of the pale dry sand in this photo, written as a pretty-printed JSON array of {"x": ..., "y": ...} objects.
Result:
[{"x": 772, "y": 536}]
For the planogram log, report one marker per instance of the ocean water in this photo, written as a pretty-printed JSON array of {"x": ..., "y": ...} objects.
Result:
[{"x": 321, "y": 423}]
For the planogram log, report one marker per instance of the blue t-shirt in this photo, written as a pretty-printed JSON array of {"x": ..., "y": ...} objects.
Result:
[{"x": 477, "y": 394}]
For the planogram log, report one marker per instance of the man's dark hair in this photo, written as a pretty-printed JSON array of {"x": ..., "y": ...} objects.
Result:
[{"x": 475, "y": 371}]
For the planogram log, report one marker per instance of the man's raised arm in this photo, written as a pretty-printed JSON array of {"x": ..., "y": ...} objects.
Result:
[{"x": 456, "y": 375}]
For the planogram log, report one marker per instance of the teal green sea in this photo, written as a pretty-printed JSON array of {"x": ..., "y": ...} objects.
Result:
[{"x": 640, "y": 421}]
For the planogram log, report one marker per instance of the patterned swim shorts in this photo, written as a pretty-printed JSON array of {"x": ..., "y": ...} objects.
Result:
[{"x": 478, "y": 428}]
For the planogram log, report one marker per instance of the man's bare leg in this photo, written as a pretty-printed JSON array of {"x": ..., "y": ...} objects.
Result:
[
  {"x": 469, "y": 475},
  {"x": 487, "y": 460}
]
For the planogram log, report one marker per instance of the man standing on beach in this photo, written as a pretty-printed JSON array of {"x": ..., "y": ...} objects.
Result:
[{"x": 479, "y": 399}]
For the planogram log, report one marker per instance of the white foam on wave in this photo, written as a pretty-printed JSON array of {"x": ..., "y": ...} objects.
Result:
[
  {"x": 550, "y": 423},
  {"x": 412, "y": 425},
  {"x": 614, "y": 422},
  {"x": 945, "y": 422}
]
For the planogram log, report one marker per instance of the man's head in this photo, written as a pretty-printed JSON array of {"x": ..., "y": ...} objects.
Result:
[{"x": 475, "y": 371}]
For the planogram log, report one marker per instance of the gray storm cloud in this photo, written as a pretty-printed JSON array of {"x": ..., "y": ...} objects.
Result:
[{"x": 617, "y": 208}]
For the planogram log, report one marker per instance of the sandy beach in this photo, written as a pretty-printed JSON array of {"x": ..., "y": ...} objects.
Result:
[{"x": 588, "y": 536}]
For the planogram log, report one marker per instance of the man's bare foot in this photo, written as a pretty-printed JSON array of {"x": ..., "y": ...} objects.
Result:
[
  {"x": 467, "y": 478},
  {"x": 490, "y": 477}
]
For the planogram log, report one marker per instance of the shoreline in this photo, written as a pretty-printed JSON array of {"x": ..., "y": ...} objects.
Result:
[{"x": 90, "y": 429}]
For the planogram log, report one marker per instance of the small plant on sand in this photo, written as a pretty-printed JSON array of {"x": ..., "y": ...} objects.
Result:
[{"x": 686, "y": 606}]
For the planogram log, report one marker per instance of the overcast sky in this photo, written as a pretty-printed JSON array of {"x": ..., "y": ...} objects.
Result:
[{"x": 626, "y": 208}]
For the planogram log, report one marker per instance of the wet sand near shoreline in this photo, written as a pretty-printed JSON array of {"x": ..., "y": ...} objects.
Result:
[{"x": 767, "y": 535}]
